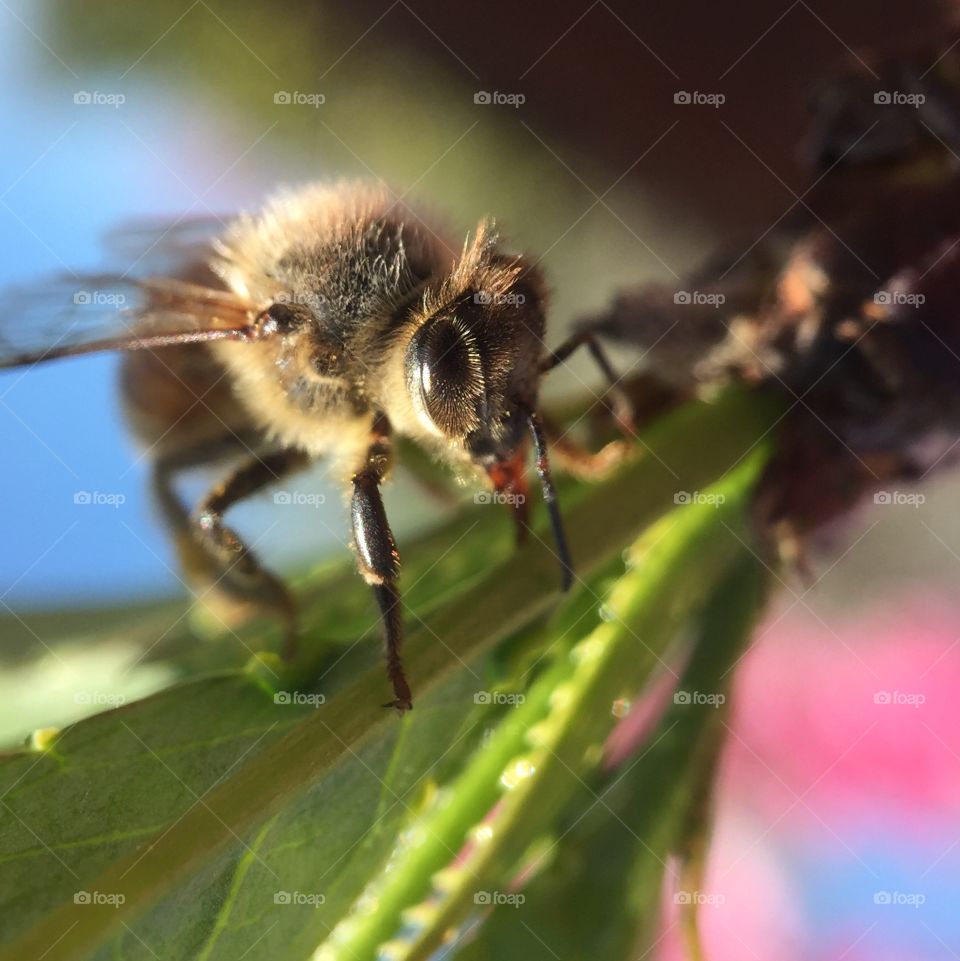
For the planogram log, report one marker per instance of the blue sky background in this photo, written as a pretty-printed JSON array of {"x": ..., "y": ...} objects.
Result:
[{"x": 71, "y": 173}]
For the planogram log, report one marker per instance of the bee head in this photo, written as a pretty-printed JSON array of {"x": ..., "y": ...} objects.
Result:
[{"x": 473, "y": 366}]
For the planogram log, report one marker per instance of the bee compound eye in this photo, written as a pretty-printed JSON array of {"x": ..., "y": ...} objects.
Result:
[{"x": 444, "y": 369}]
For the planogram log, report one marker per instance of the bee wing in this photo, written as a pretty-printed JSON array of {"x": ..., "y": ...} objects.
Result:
[
  {"x": 70, "y": 316},
  {"x": 158, "y": 247}
]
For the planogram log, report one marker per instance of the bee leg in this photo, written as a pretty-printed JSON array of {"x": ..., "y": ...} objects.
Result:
[
  {"x": 378, "y": 560},
  {"x": 578, "y": 461},
  {"x": 634, "y": 403},
  {"x": 239, "y": 569},
  {"x": 621, "y": 405},
  {"x": 165, "y": 468},
  {"x": 201, "y": 572},
  {"x": 571, "y": 457}
]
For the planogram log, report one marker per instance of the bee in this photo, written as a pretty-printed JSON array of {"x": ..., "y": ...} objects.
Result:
[
  {"x": 325, "y": 326},
  {"x": 846, "y": 309}
]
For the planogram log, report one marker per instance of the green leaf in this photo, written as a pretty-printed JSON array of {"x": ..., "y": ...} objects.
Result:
[
  {"x": 621, "y": 826},
  {"x": 191, "y": 815},
  {"x": 561, "y": 728}
]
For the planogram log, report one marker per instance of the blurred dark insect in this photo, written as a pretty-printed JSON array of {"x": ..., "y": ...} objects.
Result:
[{"x": 849, "y": 308}]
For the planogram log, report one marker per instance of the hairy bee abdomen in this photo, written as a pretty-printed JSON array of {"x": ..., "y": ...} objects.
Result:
[{"x": 178, "y": 398}]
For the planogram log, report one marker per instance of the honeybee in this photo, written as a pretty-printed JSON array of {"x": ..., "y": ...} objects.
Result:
[
  {"x": 846, "y": 309},
  {"x": 323, "y": 326}
]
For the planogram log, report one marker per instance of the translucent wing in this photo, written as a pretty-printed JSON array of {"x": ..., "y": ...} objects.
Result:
[
  {"x": 69, "y": 316},
  {"x": 156, "y": 247},
  {"x": 180, "y": 301}
]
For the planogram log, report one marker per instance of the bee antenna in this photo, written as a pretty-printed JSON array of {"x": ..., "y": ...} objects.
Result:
[{"x": 550, "y": 499}]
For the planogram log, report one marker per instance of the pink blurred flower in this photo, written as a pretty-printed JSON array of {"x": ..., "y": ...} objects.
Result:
[{"x": 852, "y": 719}]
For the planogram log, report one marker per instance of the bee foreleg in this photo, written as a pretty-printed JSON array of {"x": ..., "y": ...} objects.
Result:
[
  {"x": 240, "y": 570},
  {"x": 619, "y": 400},
  {"x": 570, "y": 456},
  {"x": 578, "y": 461},
  {"x": 379, "y": 561}
]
